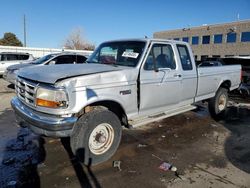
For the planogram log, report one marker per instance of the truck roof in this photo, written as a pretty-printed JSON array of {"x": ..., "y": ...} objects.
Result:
[
  {"x": 66, "y": 53},
  {"x": 149, "y": 40}
]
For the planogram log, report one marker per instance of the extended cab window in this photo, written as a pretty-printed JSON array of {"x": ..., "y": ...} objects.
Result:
[
  {"x": 160, "y": 56},
  {"x": 184, "y": 57}
]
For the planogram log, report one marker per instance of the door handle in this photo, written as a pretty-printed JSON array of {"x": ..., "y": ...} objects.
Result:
[{"x": 177, "y": 75}]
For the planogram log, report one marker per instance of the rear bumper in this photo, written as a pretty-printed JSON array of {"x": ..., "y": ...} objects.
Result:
[{"x": 41, "y": 123}]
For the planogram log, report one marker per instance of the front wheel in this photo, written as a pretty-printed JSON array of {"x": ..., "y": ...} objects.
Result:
[
  {"x": 218, "y": 104},
  {"x": 96, "y": 136}
]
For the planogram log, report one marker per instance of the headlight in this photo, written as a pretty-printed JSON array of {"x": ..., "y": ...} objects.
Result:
[{"x": 51, "y": 98}]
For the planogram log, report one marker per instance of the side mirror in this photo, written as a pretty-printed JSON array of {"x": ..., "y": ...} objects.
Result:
[{"x": 52, "y": 62}]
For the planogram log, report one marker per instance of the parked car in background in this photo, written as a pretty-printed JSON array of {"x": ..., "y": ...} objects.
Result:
[
  {"x": 244, "y": 89},
  {"x": 11, "y": 58},
  {"x": 244, "y": 61},
  {"x": 51, "y": 59},
  {"x": 210, "y": 64}
]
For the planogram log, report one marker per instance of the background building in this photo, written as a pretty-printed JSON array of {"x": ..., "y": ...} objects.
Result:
[{"x": 218, "y": 40}]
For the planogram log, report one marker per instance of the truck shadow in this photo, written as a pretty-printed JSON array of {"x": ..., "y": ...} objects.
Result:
[
  {"x": 84, "y": 174},
  {"x": 21, "y": 157},
  {"x": 237, "y": 144}
]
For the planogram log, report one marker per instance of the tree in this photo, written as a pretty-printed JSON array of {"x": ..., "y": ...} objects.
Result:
[
  {"x": 10, "y": 39},
  {"x": 76, "y": 41}
]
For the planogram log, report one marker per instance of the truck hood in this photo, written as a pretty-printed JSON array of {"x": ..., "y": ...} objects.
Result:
[{"x": 52, "y": 73}]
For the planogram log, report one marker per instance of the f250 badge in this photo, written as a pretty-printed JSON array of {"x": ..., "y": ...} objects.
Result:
[{"x": 125, "y": 92}]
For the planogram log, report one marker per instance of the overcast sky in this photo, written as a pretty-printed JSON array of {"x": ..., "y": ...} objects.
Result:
[{"x": 49, "y": 22}]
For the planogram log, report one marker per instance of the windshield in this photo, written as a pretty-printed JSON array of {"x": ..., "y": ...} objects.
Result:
[
  {"x": 123, "y": 53},
  {"x": 43, "y": 59}
]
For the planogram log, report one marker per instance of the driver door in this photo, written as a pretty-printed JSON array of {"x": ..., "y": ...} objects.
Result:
[{"x": 160, "y": 80}]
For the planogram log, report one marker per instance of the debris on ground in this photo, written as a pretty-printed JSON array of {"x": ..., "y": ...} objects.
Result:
[
  {"x": 131, "y": 171},
  {"x": 176, "y": 135},
  {"x": 216, "y": 136},
  {"x": 163, "y": 136},
  {"x": 159, "y": 139},
  {"x": 173, "y": 168},
  {"x": 117, "y": 164},
  {"x": 174, "y": 156},
  {"x": 142, "y": 145},
  {"x": 157, "y": 157},
  {"x": 167, "y": 166},
  {"x": 213, "y": 125}
]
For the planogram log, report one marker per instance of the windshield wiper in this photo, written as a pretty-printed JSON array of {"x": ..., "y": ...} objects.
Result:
[{"x": 91, "y": 62}]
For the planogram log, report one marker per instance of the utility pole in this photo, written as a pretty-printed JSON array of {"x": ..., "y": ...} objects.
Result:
[
  {"x": 24, "y": 30},
  {"x": 238, "y": 17}
]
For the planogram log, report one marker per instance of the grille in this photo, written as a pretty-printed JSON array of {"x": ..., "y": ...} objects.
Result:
[{"x": 25, "y": 91}]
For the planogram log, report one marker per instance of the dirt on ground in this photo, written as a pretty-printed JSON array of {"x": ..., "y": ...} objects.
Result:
[{"x": 206, "y": 153}]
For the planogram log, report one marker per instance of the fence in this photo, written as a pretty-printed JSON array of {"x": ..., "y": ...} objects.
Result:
[{"x": 39, "y": 52}]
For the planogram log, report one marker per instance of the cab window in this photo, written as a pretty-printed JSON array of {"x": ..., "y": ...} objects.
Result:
[
  {"x": 160, "y": 56},
  {"x": 186, "y": 62}
]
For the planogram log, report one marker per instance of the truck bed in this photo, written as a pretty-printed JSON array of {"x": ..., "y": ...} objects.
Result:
[{"x": 209, "y": 78}]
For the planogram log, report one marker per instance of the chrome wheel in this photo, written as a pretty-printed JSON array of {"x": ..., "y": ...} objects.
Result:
[{"x": 101, "y": 138}]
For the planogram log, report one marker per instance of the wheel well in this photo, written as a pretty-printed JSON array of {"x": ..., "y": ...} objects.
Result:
[
  {"x": 226, "y": 84},
  {"x": 114, "y": 107}
]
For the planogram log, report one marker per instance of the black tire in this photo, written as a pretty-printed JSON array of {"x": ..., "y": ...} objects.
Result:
[
  {"x": 87, "y": 123},
  {"x": 216, "y": 109}
]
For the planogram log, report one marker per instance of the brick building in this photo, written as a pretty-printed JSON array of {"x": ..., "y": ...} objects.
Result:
[{"x": 217, "y": 40}]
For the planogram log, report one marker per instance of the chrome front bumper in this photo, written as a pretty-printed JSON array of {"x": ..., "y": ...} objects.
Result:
[{"x": 41, "y": 123}]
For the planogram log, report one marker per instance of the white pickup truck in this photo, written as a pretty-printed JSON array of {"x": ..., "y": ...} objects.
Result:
[{"x": 125, "y": 83}]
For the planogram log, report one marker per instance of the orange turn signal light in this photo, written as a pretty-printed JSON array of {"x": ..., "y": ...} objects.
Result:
[{"x": 46, "y": 103}]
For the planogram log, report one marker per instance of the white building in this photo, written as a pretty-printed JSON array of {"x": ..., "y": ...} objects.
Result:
[{"x": 39, "y": 52}]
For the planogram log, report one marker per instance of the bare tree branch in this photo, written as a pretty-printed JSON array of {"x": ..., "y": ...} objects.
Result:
[{"x": 77, "y": 41}]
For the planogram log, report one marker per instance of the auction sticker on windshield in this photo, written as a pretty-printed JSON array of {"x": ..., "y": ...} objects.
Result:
[{"x": 130, "y": 54}]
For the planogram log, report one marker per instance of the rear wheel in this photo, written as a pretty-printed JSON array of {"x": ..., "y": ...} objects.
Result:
[
  {"x": 218, "y": 104},
  {"x": 96, "y": 136}
]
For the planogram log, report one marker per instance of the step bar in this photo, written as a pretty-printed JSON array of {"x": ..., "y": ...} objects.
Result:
[{"x": 157, "y": 117}]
